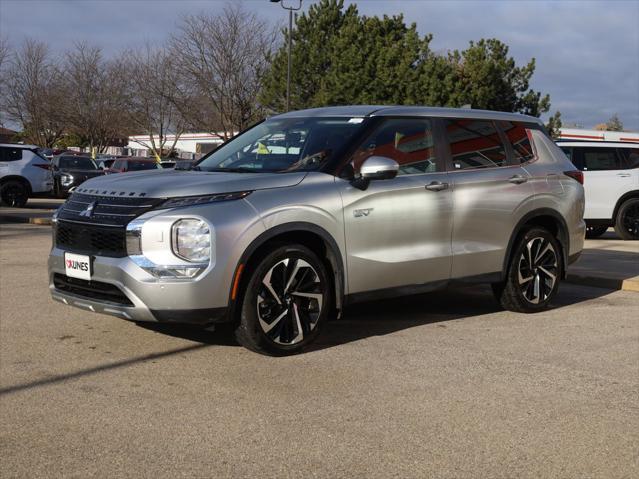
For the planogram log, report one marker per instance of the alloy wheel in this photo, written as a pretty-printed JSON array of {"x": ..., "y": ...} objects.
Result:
[
  {"x": 537, "y": 270},
  {"x": 13, "y": 194},
  {"x": 630, "y": 220},
  {"x": 289, "y": 301}
]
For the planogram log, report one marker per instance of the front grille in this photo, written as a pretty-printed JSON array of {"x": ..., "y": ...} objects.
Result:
[
  {"x": 91, "y": 289},
  {"x": 91, "y": 239},
  {"x": 105, "y": 210}
]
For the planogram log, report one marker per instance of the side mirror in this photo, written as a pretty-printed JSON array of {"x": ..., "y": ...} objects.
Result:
[{"x": 379, "y": 168}]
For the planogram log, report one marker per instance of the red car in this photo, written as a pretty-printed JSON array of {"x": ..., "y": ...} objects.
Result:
[{"x": 122, "y": 165}]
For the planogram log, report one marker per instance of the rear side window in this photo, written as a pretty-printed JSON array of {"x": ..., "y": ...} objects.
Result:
[
  {"x": 117, "y": 165},
  {"x": 408, "y": 141},
  {"x": 601, "y": 159},
  {"x": 629, "y": 156},
  {"x": 519, "y": 137},
  {"x": 10, "y": 154},
  {"x": 475, "y": 144}
]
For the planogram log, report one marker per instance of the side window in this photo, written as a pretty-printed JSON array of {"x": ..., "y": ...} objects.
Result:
[
  {"x": 519, "y": 137},
  {"x": 601, "y": 159},
  {"x": 117, "y": 165},
  {"x": 475, "y": 144},
  {"x": 408, "y": 141},
  {"x": 629, "y": 156},
  {"x": 10, "y": 154}
]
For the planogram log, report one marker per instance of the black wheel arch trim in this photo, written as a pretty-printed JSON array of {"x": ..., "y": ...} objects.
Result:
[
  {"x": 563, "y": 237},
  {"x": 626, "y": 196},
  {"x": 333, "y": 255}
]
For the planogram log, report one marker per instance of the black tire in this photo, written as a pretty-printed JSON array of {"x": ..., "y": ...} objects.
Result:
[
  {"x": 56, "y": 190},
  {"x": 627, "y": 221},
  {"x": 14, "y": 193},
  {"x": 534, "y": 289},
  {"x": 593, "y": 232},
  {"x": 273, "y": 317}
]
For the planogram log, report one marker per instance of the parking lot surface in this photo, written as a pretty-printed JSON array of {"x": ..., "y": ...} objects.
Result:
[{"x": 439, "y": 385}]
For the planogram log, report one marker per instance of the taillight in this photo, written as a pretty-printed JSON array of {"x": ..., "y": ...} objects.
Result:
[
  {"x": 43, "y": 166},
  {"x": 575, "y": 175}
]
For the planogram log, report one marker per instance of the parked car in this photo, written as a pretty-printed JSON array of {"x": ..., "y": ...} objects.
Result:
[
  {"x": 122, "y": 165},
  {"x": 23, "y": 174},
  {"x": 105, "y": 163},
  {"x": 611, "y": 183},
  {"x": 71, "y": 171},
  {"x": 368, "y": 202}
]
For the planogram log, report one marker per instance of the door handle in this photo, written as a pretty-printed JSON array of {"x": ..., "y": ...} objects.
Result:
[
  {"x": 436, "y": 186},
  {"x": 518, "y": 179},
  {"x": 623, "y": 175}
]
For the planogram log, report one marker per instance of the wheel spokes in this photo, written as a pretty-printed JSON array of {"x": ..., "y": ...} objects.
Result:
[
  {"x": 290, "y": 302},
  {"x": 537, "y": 271}
]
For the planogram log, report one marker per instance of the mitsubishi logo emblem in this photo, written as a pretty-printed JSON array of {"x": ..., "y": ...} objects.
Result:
[{"x": 88, "y": 211}]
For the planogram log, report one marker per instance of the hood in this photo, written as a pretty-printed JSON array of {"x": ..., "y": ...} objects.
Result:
[{"x": 175, "y": 183}]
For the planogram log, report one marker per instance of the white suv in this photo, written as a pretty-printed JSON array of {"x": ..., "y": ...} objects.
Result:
[
  {"x": 611, "y": 184},
  {"x": 23, "y": 173}
]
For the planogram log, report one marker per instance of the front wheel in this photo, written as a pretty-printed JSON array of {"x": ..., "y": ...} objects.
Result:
[
  {"x": 533, "y": 275},
  {"x": 286, "y": 301},
  {"x": 627, "y": 222}
]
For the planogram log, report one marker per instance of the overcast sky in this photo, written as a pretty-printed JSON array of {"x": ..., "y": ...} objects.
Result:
[{"x": 587, "y": 52}]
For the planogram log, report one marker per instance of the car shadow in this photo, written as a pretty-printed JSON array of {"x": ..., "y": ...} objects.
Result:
[{"x": 379, "y": 318}]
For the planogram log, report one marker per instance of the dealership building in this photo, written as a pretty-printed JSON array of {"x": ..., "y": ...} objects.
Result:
[
  {"x": 194, "y": 145},
  {"x": 188, "y": 145}
]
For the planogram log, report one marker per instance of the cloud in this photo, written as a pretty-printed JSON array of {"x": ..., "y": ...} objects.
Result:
[{"x": 587, "y": 53}]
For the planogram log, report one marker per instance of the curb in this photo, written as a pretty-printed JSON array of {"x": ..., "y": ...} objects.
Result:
[
  {"x": 630, "y": 284},
  {"x": 26, "y": 219}
]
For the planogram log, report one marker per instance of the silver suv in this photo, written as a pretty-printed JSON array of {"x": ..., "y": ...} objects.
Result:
[{"x": 281, "y": 227}]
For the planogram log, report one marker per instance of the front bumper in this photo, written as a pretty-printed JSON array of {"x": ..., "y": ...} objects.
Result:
[{"x": 147, "y": 298}]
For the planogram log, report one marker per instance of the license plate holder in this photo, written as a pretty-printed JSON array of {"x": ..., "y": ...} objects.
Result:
[{"x": 77, "y": 266}]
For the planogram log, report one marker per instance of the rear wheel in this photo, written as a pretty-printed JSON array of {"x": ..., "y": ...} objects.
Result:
[
  {"x": 533, "y": 275},
  {"x": 627, "y": 221},
  {"x": 14, "y": 193},
  {"x": 593, "y": 232},
  {"x": 286, "y": 301}
]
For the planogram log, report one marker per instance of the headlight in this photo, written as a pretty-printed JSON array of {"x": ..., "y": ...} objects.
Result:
[
  {"x": 200, "y": 200},
  {"x": 66, "y": 179},
  {"x": 191, "y": 240}
]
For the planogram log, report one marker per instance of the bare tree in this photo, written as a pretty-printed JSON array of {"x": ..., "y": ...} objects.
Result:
[
  {"x": 152, "y": 111},
  {"x": 4, "y": 56},
  {"x": 96, "y": 96},
  {"x": 221, "y": 60},
  {"x": 33, "y": 95}
]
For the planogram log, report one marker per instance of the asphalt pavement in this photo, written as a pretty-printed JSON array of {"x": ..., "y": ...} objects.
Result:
[{"x": 441, "y": 385}]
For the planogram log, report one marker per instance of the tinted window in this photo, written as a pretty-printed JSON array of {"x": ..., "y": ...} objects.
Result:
[
  {"x": 519, "y": 137},
  {"x": 142, "y": 165},
  {"x": 10, "y": 154},
  {"x": 601, "y": 159},
  {"x": 118, "y": 165},
  {"x": 568, "y": 152},
  {"x": 629, "y": 156},
  {"x": 407, "y": 141},
  {"x": 475, "y": 144},
  {"x": 77, "y": 163}
]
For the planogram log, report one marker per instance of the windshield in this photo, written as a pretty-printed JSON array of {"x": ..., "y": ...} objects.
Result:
[
  {"x": 279, "y": 145},
  {"x": 77, "y": 163}
]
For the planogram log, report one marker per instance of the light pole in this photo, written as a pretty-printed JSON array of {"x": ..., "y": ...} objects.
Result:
[{"x": 290, "y": 35}]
